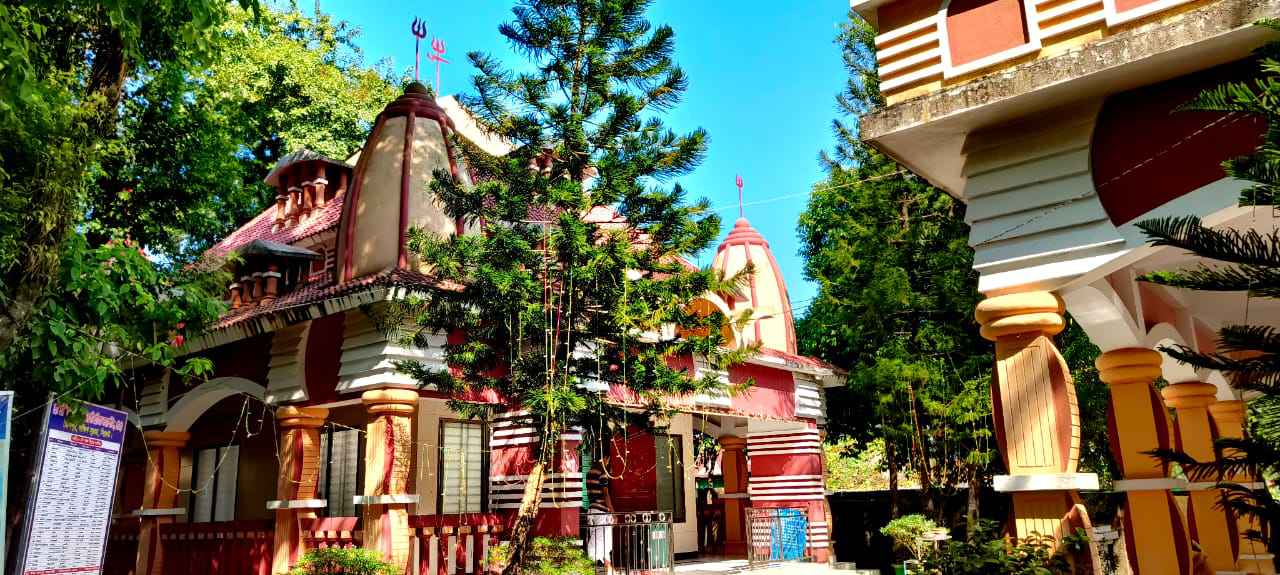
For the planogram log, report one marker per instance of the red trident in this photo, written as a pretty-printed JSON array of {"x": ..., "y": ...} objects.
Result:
[
  {"x": 437, "y": 46},
  {"x": 738, "y": 180},
  {"x": 419, "y": 29}
]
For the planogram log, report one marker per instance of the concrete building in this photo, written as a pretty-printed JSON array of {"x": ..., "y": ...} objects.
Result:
[{"x": 1053, "y": 120}]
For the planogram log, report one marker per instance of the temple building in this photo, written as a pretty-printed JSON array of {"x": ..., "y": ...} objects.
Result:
[
  {"x": 306, "y": 435},
  {"x": 1055, "y": 122}
]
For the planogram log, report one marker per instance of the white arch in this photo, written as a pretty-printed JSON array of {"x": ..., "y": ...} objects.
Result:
[
  {"x": 1225, "y": 392},
  {"x": 1173, "y": 371},
  {"x": 1104, "y": 316},
  {"x": 197, "y": 401}
]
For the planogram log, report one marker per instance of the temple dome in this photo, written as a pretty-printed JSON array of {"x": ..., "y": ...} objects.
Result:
[
  {"x": 410, "y": 140},
  {"x": 765, "y": 294}
]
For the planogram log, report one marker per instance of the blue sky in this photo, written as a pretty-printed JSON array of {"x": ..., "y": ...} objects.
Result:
[{"x": 762, "y": 82}]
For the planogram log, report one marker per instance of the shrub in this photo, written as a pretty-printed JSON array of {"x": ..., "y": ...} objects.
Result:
[
  {"x": 905, "y": 531},
  {"x": 549, "y": 556},
  {"x": 986, "y": 552},
  {"x": 335, "y": 561}
]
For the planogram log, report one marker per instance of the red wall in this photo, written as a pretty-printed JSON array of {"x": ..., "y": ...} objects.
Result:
[
  {"x": 773, "y": 395},
  {"x": 980, "y": 28},
  {"x": 1145, "y": 154}
]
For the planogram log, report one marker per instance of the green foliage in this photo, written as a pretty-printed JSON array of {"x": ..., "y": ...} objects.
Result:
[
  {"x": 906, "y": 532},
  {"x": 1247, "y": 261},
  {"x": 852, "y": 466},
  {"x": 896, "y": 296},
  {"x": 548, "y": 556},
  {"x": 113, "y": 301},
  {"x": 337, "y": 561},
  {"x": 194, "y": 148},
  {"x": 985, "y": 552}
]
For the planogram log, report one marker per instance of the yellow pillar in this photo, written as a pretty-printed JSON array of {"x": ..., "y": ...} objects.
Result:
[
  {"x": 1205, "y": 517},
  {"x": 1228, "y": 417},
  {"x": 388, "y": 465},
  {"x": 159, "y": 495},
  {"x": 296, "y": 486},
  {"x": 733, "y": 468},
  {"x": 1037, "y": 421},
  {"x": 1156, "y": 536}
]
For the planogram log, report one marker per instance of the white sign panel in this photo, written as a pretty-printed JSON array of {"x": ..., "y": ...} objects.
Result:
[{"x": 70, "y": 508}]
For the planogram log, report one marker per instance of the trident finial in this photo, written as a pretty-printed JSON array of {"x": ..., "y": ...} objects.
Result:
[
  {"x": 738, "y": 180},
  {"x": 419, "y": 29},
  {"x": 437, "y": 46}
]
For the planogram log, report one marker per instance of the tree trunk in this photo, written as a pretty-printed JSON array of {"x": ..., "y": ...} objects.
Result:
[
  {"x": 522, "y": 531},
  {"x": 971, "y": 510},
  {"x": 893, "y": 479}
]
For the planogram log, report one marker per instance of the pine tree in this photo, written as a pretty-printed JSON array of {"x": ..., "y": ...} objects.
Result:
[
  {"x": 1249, "y": 262},
  {"x": 579, "y": 275}
]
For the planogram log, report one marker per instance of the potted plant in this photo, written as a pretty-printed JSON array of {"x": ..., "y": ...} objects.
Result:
[{"x": 906, "y": 532}]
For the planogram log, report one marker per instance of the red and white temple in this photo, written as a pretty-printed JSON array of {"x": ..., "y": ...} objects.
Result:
[{"x": 307, "y": 435}]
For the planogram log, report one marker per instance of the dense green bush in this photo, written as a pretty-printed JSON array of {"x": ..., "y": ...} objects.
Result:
[
  {"x": 986, "y": 552},
  {"x": 335, "y": 561},
  {"x": 905, "y": 532},
  {"x": 549, "y": 556}
]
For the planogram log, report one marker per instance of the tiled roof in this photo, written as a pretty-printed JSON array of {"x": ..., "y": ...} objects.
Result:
[
  {"x": 324, "y": 288},
  {"x": 260, "y": 227},
  {"x": 801, "y": 360}
]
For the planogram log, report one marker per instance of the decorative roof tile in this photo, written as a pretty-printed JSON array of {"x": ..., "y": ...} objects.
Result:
[
  {"x": 261, "y": 227},
  {"x": 323, "y": 288}
]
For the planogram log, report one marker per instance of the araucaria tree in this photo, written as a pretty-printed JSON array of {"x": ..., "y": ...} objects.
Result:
[
  {"x": 1244, "y": 261},
  {"x": 574, "y": 273}
]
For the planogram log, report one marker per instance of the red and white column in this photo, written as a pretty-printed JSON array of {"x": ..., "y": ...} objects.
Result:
[
  {"x": 786, "y": 471},
  {"x": 388, "y": 466},
  {"x": 296, "y": 486},
  {"x": 159, "y": 495},
  {"x": 514, "y": 446}
]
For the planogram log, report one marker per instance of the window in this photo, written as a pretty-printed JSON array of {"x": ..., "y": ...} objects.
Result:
[
  {"x": 214, "y": 483},
  {"x": 670, "y": 467},
  {"x": 339, "y": 479},
  {"x": 464, "y": 467}
]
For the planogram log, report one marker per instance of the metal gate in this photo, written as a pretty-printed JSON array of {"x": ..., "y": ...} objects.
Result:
[
  {"x": 636, "y": 543},
  {"x": 777, "y": 535}
]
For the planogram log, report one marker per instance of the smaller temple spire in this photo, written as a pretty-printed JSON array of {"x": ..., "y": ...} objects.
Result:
[{"x": 738, "y": 180}]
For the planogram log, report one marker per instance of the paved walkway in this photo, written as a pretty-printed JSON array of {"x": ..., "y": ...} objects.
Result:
[{"x": 720, "y": 566}]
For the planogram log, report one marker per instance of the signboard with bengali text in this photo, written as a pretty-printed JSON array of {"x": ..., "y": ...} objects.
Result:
[{"x": 69, "y": 508}]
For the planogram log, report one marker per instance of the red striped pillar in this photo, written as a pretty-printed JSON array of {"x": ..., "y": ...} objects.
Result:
[
  {"x": 159, "y": 495},
  {"x": 1156, "y": 535},
  {"x": 786, "y": 471},
  {"x": 1209, "y": 523},
  {"x": 388, "y": 457},
  {"x": 1036, "y": 418},
  {"x": 1252, "y": 556},
  {"x": 733, "y": 469},
  {"x": 296, "y": 486},
  {"x": 514, "y": 447}
]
